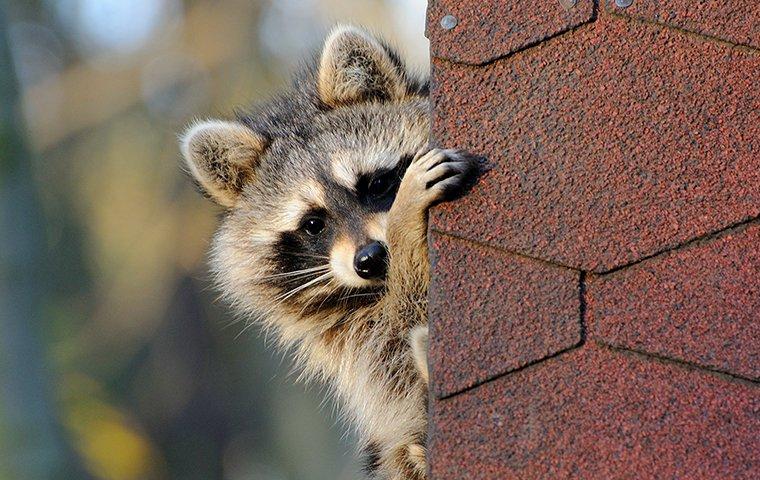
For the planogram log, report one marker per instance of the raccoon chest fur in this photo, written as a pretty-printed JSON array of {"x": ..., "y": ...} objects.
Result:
[{"x": 374, "y": 374}]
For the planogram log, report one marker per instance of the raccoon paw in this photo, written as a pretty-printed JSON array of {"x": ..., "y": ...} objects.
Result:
[{"x": 440, "y": 175}]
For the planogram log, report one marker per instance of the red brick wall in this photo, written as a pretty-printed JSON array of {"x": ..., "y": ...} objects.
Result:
[{"x": 595, "y": 308}]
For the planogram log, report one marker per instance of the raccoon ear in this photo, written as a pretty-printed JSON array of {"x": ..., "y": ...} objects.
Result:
[
  {"x": 222, "y": 157},
  {"x": 356, "y": 67}
]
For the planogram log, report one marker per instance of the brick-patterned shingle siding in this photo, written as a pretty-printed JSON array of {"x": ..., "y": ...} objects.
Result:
[{"x": 595, "y": 307}]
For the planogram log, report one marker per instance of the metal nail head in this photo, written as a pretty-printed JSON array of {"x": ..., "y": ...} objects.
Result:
[
  {"x": 623, "y": 3},
  {"x": 449, "y": 21}
]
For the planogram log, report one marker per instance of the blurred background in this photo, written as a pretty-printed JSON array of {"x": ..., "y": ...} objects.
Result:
[{"x": 116, "y": 360}]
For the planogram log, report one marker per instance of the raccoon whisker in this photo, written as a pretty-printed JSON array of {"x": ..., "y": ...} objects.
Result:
[
  {"x": 248, "y": 325},
  {"x": 314, "y": 281},
  {"x": 295, "y": 276},
  {"x": 366, "y": 294},
  {"x": 320, "y": 268},
  {"x": 304, "y": 286},
  {"x": 305, "y": 255},
  {"x": 292, "y": 282},
  {"x": 326, "y": 286},
  {"x": 250, "y": 320}
]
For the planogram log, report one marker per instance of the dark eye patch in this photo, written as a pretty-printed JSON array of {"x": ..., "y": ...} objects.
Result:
[
  {"x": 306, "y": 247},
  {"x": 378, "y": 189},
  {"x": 381, "y": 184}
]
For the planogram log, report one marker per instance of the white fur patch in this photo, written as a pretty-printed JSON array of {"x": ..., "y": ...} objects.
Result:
[
  {"x": 342, "y": 264},
  {"x": 291, "y": 215}
]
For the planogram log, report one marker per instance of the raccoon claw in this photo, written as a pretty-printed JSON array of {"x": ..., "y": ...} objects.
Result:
[
  {"x": 438, "y": 175},
  {"x": 447, "y": 176}
]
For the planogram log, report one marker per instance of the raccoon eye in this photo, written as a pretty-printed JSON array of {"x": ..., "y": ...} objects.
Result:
[
  {"x": 313, "y": 225},
  {"x": 381, "y": 184}
]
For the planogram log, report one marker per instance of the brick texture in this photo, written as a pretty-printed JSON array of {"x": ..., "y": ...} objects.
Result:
[{"x": 595, "y": 304}]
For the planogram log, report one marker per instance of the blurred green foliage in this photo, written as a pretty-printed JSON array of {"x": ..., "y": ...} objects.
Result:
[{"x": 116, "y": 362}]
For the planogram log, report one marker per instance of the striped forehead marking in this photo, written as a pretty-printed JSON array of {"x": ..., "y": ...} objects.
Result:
[
  {"x": 308, "y": 196},
  {"x": 348, "y": 166}
]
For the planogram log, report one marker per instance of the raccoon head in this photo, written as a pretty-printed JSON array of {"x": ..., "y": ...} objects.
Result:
[{"x": 308, "y": 179}]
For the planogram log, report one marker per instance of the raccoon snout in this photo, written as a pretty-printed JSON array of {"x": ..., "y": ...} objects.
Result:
[{"x": 370, "y": 261}]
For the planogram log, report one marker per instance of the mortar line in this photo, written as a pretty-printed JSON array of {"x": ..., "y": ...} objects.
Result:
[
  {"x": 625, "y": 351},
  {"x": 488, "y": 246}
]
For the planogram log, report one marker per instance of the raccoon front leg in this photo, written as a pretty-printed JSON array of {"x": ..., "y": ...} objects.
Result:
[{"x": 432, "y": 177}]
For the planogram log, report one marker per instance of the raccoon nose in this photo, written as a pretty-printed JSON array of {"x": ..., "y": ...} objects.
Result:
[{"x": 370, "y": 261}]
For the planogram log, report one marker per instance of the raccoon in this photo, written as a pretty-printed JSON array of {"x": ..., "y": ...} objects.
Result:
[{"x": 324, "y": 241}]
